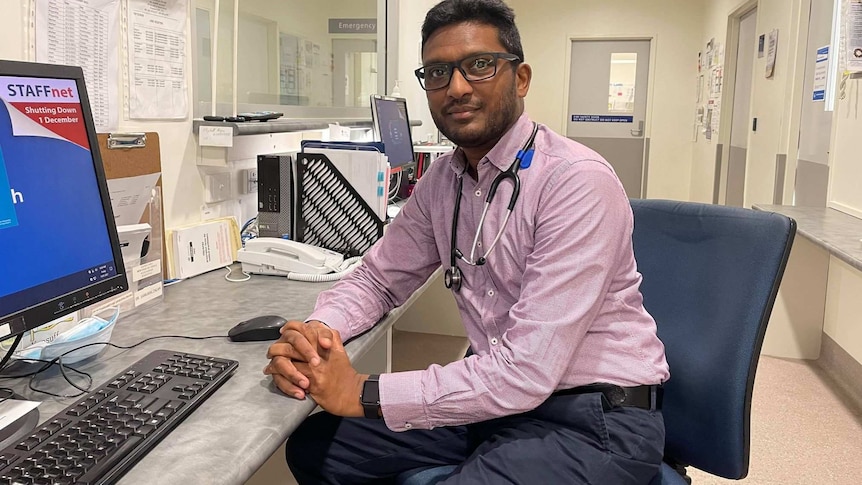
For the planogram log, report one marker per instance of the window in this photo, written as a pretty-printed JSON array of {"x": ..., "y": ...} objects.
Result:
[{"x": 306, "y": 59}]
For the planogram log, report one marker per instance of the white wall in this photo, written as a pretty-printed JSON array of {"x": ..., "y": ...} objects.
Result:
[{"x": 676, "y": 26}]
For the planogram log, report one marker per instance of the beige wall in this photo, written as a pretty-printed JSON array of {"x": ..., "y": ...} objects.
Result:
[
  {"x": 411, "y": 16},
  {"x": 704, "y": 152},
  {"x": 845, "y": 188},
  {"x": 12, "y": 26},
  {"x": 843, "y": 307},
  {"x": 775, "y": 102},
  {"x": 676, "y": 27}
]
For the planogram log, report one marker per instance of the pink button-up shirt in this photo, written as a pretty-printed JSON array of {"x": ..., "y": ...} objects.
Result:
[{"x": 556, "y": 305}]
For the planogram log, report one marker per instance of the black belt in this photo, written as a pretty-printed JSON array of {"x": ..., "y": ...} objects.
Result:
[{"x": 643, "y": 397}]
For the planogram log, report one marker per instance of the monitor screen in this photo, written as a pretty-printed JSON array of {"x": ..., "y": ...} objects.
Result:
[
  {"x": 59, "y": 249},
  {"x": 392, "y": 127}
]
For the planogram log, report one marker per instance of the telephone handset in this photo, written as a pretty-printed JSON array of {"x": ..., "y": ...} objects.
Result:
[{"x": 276, "y": 256}]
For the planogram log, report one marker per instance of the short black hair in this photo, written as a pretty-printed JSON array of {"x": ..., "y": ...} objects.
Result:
[{"x": 490, "y": 12}]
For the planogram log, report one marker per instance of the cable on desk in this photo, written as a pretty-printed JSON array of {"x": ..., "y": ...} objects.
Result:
[
  {"x": 63, "y": 367},
  {"x": 235, "y": 280}
]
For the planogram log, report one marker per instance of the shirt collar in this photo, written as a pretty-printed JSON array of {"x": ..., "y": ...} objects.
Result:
[{"x": 503, "y": 153}]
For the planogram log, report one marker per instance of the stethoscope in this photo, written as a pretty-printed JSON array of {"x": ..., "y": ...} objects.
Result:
[{"x": 453, "y": 278}]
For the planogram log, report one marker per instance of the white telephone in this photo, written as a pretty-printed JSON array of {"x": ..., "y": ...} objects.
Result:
[{"x": 276, "y": 256}]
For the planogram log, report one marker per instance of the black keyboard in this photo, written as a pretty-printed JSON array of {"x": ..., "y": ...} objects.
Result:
[{"x": 99, "y": 437}]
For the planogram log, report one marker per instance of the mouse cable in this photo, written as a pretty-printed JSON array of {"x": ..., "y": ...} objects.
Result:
[{"x": 87, "y": 387}]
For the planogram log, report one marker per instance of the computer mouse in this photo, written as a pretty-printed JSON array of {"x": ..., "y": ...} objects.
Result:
[{"x": 263, "y": 327}]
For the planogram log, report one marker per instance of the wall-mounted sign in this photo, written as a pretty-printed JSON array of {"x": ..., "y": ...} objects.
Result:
[
  {"x": 602, "y": 119},
  {"x": 821, "y": 74},
  {"x": 352, "y": 26}
]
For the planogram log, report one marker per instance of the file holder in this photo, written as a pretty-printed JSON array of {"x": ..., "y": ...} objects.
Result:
[{"x": 329, "y": 212}]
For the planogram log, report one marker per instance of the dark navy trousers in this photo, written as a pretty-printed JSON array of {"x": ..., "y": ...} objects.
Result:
[{"x": 575, "y": 439}]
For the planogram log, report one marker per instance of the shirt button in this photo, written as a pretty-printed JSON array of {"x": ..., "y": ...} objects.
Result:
[
  {"x": 408, "y": 426},
  {"x": 490, "y": 292},
  {"x": 494, "y": 341},
  {"x": 478, "y": 192},
  {"x": 479, "y": 244}
]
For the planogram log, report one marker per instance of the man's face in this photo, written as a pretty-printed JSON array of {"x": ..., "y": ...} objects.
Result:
[{"x": 474, "y": 114}]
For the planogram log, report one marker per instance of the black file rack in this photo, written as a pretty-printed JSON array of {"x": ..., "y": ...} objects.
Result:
[{"x": 329, "y": 211}]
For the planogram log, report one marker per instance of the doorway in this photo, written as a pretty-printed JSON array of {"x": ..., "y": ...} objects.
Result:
[
  {"x": 607, "y": 105},
  {"x": 354, "y": 72},
  {"x": 732, "y": 180}
]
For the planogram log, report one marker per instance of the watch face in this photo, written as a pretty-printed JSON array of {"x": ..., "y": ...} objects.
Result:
[
  {"x": 371, "y": 392},
  {"x": 370, "y": 398}
]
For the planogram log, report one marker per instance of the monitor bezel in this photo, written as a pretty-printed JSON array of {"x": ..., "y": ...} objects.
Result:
[
  {"x": 375, "y": 124},
  {"x": 47, "y": 311}
]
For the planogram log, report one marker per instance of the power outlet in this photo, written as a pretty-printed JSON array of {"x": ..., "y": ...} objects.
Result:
[{"x": 251, "y": 180}]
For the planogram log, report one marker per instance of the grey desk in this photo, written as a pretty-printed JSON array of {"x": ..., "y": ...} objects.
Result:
[
  {"x": 797, "y": 324},
  {"x": 834, "y": 231},
  {"x": 234, "y": 431}
]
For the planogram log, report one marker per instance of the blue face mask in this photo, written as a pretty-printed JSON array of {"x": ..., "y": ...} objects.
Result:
[{"x": 85, "y": 328}]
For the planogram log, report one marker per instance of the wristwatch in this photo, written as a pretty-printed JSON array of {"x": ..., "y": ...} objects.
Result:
[{"x": 370, "y": 397}]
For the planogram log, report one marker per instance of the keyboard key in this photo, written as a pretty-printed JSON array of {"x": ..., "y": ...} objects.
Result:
[{"x": 28, "y": 444}]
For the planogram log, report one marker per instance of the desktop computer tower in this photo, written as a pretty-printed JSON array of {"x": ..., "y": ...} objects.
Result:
[
  {"x": 305, "y": 198},
  {"x": 275, "y": 195}
]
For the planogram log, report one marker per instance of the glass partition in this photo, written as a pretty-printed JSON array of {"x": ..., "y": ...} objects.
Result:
[{"x": 306, "y": 59}]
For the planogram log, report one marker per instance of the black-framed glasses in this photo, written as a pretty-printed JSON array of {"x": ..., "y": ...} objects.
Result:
[{"x": 477, "y": 67}]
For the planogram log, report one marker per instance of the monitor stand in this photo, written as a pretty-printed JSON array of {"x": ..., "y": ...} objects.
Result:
[{"x": 13, "y": 432}]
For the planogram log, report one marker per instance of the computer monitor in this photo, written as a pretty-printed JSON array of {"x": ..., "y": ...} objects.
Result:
[
  {"x": 59, "y": 249},
  {"x": 392, "y": 127}
]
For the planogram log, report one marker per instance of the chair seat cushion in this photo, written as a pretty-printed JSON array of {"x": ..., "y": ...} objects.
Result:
[
  {"x": 668, "y": 476},
  {"x": 425, "y": 476}
]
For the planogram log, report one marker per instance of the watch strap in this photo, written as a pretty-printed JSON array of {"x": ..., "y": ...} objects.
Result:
[{"x": 370, "y": 397}]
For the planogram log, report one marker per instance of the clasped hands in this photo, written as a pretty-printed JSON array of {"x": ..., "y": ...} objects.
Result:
[{"x": 309, "y": 359}]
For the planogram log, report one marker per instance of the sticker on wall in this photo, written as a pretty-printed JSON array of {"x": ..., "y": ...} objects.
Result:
[{"x": 602, "y": 119}]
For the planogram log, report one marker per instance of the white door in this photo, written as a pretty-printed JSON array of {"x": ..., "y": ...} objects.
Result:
[
  {"x": 741, "y": 123},
  {"x": 607, "y": 104}
]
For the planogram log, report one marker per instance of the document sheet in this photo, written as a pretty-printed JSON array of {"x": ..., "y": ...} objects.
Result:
[{"x": 84, "y": 33}]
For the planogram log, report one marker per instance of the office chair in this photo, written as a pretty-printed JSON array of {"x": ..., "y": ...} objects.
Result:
[{"x": 710, "y": 278}]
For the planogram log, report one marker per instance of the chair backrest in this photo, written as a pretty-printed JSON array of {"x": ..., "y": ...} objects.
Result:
[{"x": 710, "y": 278}]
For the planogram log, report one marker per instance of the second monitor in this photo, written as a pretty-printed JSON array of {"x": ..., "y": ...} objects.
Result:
[{"x": 392, "y": 126}]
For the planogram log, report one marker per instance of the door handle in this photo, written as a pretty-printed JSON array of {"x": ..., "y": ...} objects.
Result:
[{"x": 640, "y": 130}]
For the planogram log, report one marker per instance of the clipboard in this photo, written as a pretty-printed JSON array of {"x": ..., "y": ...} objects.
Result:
[{"x": 131, "y": 155}]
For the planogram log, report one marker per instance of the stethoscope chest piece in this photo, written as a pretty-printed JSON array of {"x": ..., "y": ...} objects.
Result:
[{"x": 452, "y": 278}]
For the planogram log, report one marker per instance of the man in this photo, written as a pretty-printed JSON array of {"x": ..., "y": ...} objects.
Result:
[{"x": 561, "y": 385}]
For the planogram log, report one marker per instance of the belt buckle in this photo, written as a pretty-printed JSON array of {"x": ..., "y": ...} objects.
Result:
[{"x": 616, "y": 396}]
